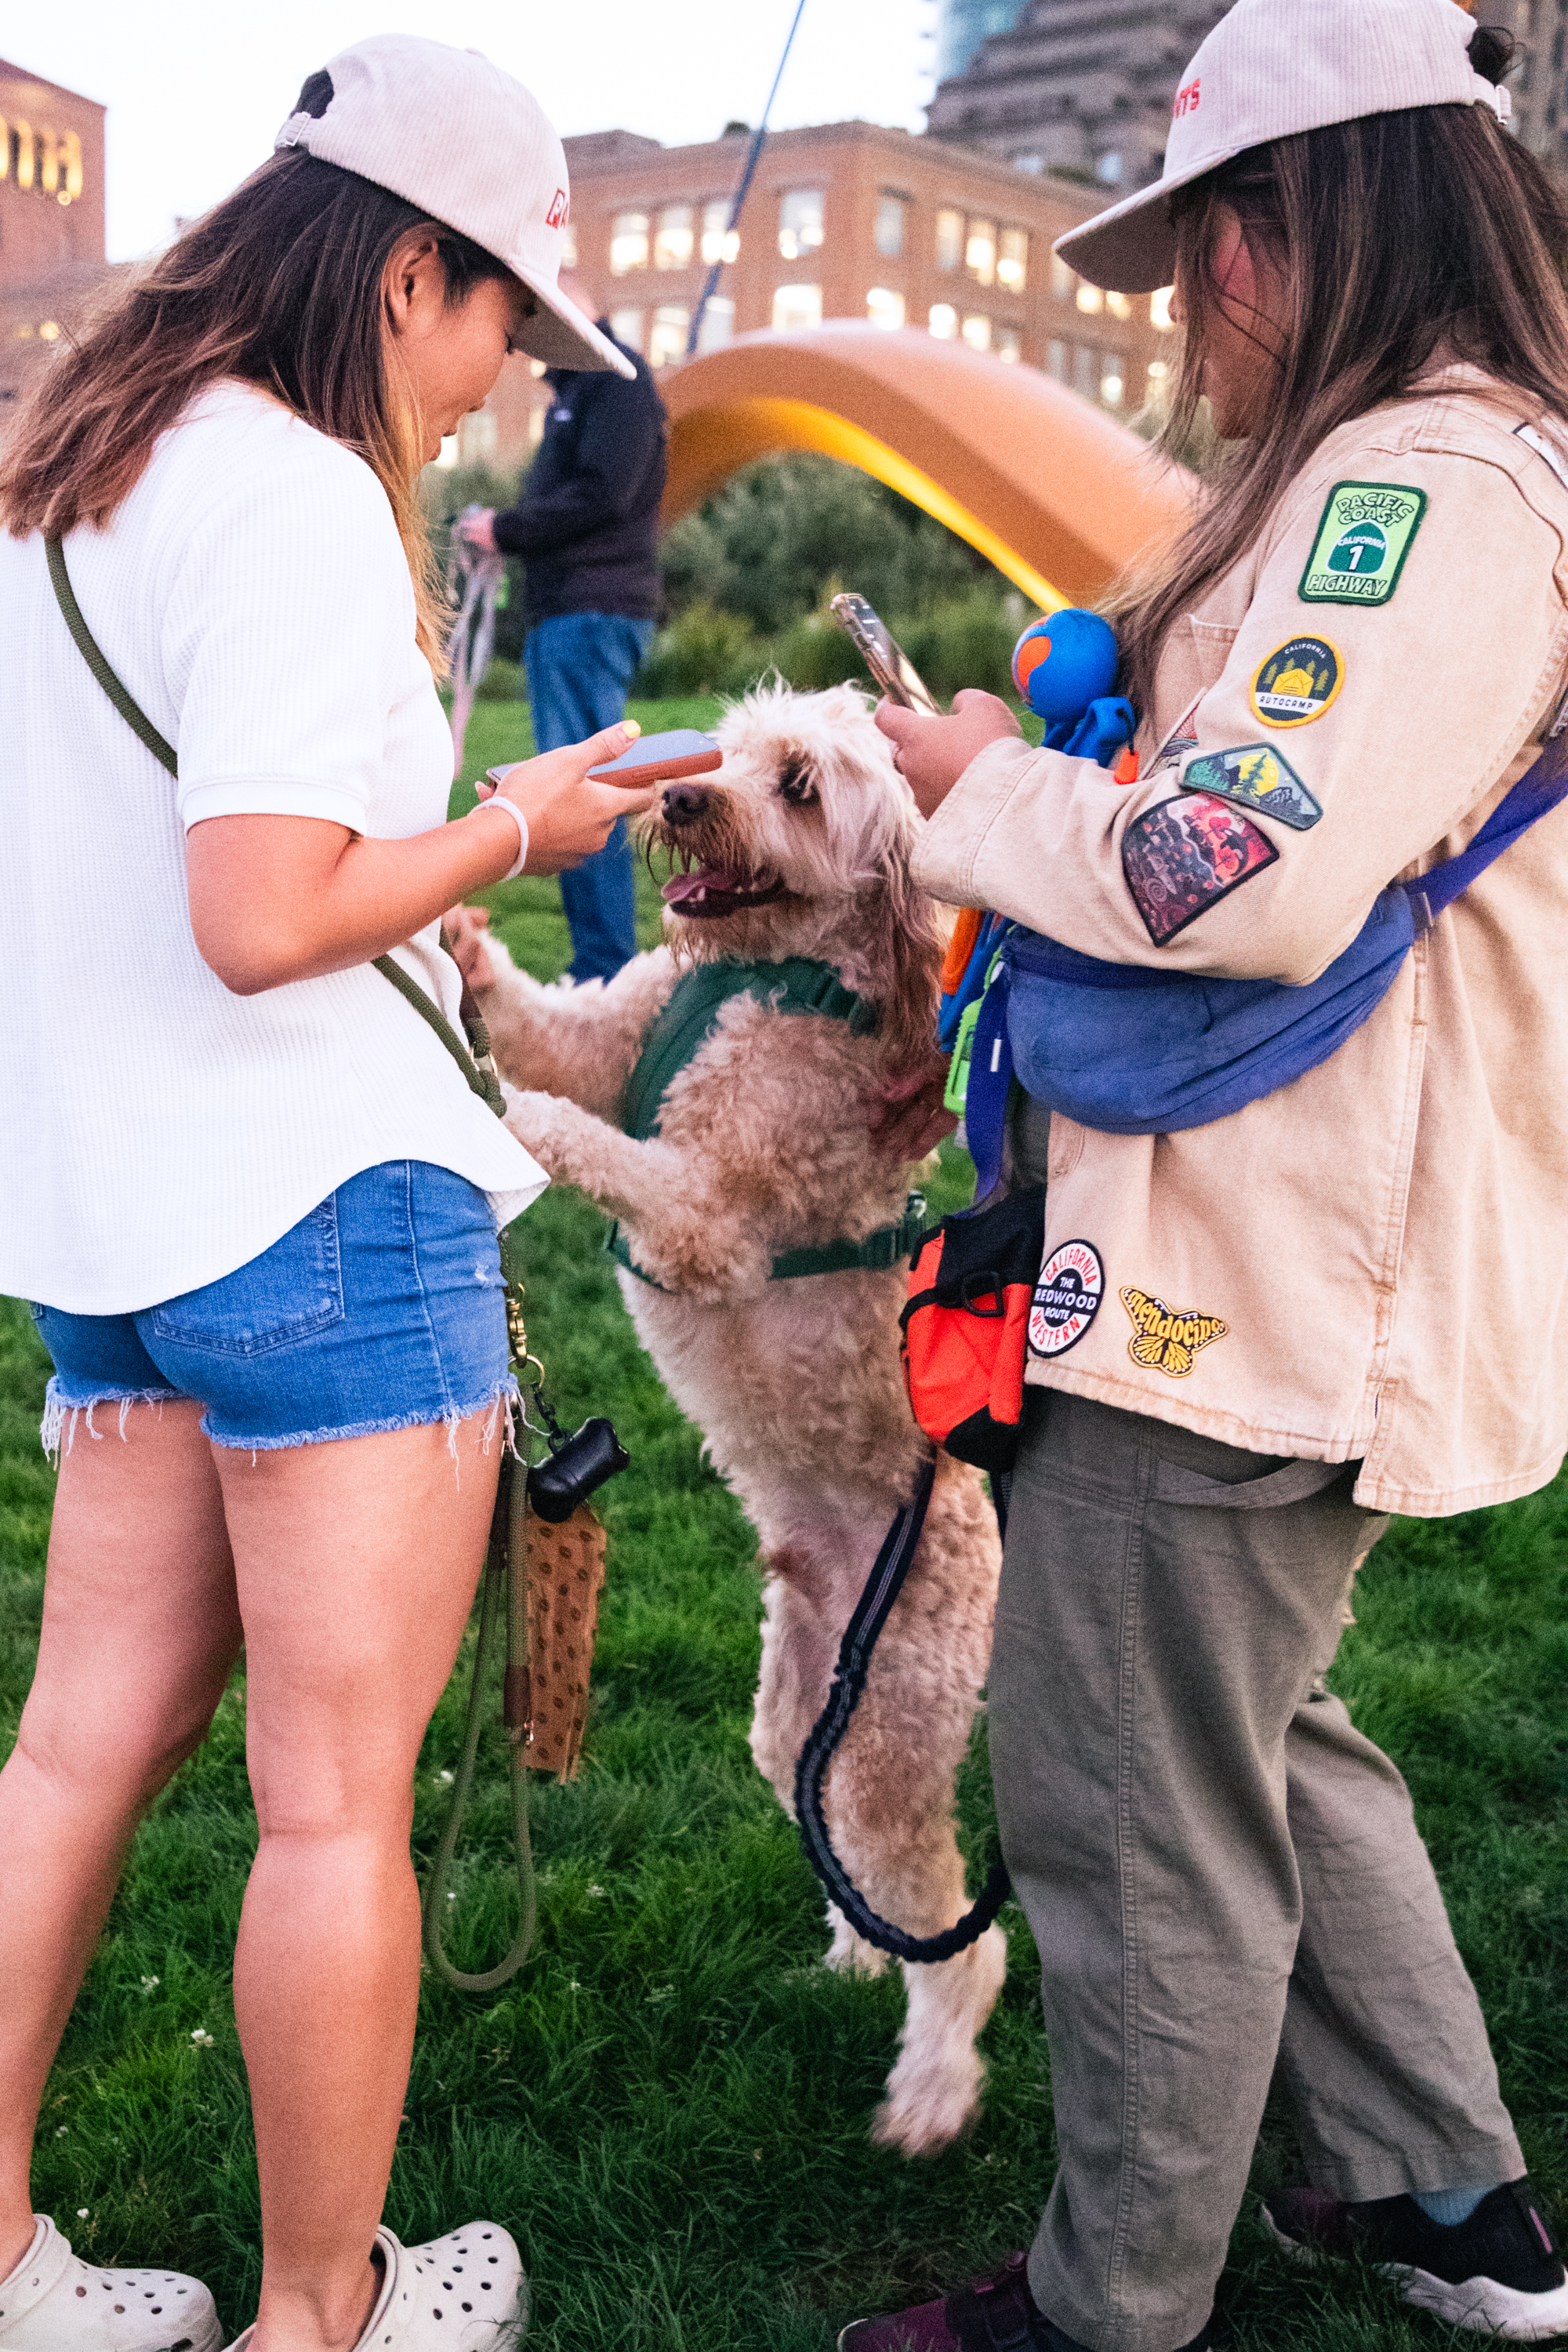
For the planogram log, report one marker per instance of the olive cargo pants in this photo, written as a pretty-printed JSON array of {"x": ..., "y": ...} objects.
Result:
[{"x": 1220, "y": 1871}]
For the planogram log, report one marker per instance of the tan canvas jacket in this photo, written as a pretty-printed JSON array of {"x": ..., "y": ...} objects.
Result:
[{"x": 1371, "y": 1262}]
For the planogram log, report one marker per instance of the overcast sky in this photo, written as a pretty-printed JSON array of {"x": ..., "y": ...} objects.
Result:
[{"x": 195, "y": 91}]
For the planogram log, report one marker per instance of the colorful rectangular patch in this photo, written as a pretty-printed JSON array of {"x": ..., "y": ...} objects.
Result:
[
  {"x": 1363, "y": 538},
  {"x": 1257, "y": 777},
  {"x": 1185, "y": 854}
]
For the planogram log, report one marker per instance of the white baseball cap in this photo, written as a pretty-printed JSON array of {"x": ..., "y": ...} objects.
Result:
[
  {"x": 450, "y": 132},
  {"x": 1268, "y": 69}
]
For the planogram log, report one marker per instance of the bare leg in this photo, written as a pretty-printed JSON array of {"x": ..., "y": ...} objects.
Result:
[
  {"x": 139, "y": 1632},
  {"x": 356, "y": 1564}
]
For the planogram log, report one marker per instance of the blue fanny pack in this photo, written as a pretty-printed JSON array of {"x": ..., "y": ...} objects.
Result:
[{"x": 1133, "y": 1050}]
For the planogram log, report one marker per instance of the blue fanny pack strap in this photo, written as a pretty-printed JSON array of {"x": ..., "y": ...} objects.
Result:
[
  {"x": 990, "y": 1080},
  {"x": 1536, "y": 794}
]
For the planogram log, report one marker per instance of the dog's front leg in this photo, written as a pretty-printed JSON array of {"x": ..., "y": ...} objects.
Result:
[{"x": 684, "y": 1237}]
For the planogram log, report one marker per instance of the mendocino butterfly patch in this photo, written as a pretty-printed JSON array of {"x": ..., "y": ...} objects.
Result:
[{"x": 1168, "y": 1338}]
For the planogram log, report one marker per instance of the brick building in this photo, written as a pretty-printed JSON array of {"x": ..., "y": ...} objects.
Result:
[
  {"x": 845, "y": 221},
  {"x": 1081, "y": 86},
  {"x": 51, "y": 218}
]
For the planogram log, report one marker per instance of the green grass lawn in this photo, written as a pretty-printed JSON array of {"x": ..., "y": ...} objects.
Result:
[{"x": 670, "y": 2105}]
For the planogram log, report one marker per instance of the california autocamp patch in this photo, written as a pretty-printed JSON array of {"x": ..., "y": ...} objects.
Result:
[{"x": 1297, "y": 683}]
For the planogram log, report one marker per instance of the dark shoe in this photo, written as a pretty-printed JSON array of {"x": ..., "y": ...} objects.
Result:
[
  {"x": 997, "y": 2314},
  {"x": 1499, "y": 2273}
]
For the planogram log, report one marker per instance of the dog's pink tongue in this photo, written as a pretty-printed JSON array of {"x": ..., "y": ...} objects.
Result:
[{"x": 681, "y": 887}]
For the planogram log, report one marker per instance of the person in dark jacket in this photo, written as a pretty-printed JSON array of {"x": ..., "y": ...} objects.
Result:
[{"x": 586, "y": 527}]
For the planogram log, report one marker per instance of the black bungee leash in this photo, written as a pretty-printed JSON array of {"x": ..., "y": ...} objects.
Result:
[{"x": 869, "y": 1615}]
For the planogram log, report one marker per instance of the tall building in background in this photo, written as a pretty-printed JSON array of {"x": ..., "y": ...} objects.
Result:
[
  {"x": 51, "y": 219},
  {"x": 1081, "y": 87},
  {"x": 963, "y": 25},
  {"x": 843, "y": 221}
]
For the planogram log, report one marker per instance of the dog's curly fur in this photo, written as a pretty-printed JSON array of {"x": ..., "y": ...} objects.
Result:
[{"x": 765, "y": 1146}]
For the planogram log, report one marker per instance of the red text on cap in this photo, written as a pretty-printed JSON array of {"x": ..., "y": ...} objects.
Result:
[
  {"x": 556, "y": 216},
  {"x": 1186, "y": 99}
]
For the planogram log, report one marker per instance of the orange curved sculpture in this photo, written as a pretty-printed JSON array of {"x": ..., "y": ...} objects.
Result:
[{"x": 1060, "y": 496}]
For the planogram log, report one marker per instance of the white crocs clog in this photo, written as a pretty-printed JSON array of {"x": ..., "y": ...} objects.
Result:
[
  {"x": 53, "y": 2301},
  {"x": 462, "y": 2293}
]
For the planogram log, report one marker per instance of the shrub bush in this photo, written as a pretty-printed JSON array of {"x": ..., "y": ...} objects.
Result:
[
  {"x": 703, "y": 651},
  {"x": 504, "y": 681}
]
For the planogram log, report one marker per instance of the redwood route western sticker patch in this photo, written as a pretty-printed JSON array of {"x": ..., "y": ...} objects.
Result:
[
  {"x": 1363, "y": 540},
  {"x": 1067, "y": 1298}
]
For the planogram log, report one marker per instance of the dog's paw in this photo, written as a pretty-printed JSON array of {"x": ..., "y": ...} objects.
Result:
[
  {"x": 932, "y": 2095},
  {"x": 536, "y": 1120}
]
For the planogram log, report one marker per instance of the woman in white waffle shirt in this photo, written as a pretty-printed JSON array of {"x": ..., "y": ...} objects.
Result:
[{"x": 250, "y": 1196}]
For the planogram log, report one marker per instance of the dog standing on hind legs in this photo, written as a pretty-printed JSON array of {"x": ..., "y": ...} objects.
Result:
[{"x": 758, "y": 1152}]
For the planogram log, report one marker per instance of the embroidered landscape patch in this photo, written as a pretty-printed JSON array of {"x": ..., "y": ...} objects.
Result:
[
  {"x": 1258, "y": 777},
  {"x": 1186, "y": 853},
  {"x": 1363, "y": 538}
]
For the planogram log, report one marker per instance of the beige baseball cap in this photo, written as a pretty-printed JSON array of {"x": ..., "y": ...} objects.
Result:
[
  {"x": 1270, "y": 68},
  {"x": 450, "y": 132}
]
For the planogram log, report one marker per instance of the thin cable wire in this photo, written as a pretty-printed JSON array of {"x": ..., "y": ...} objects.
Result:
[{"x": 742, "y": 191}]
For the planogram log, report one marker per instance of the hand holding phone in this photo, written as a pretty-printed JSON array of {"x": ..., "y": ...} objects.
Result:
[{"x": 568, "y": 816}]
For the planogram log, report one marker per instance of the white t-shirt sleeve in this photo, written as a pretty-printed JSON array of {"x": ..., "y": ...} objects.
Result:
[{"x": 286, "y": 641}]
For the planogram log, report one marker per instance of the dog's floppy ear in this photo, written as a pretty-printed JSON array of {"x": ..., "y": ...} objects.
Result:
[{"x": 910, "y": 953}]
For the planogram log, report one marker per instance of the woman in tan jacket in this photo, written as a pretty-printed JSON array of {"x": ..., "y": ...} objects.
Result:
[{"x": 1345, "y": 1298}]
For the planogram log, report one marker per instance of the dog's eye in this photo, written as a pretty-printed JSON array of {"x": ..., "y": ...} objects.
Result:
[{"x": 797, "y": 785}]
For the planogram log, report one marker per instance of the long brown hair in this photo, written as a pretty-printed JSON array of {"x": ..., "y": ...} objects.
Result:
[
  {"x": 280, "y": 284},
  {"x": 1401, "y": 239}
]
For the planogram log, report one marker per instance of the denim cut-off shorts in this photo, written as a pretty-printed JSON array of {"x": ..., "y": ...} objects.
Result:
[{"x": 382, "y": 1309}]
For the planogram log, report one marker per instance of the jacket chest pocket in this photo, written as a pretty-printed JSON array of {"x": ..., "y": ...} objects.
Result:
[{"x": 1195, "y": 654}]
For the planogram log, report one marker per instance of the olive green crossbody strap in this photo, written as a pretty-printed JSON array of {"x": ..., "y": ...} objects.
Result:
[{"x": 476, "y": 1063}]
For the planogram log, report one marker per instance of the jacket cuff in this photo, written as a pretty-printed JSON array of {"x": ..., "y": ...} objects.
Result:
[
  {"x": 510, "y": 536},
  {"x": 949, "y": 842}
]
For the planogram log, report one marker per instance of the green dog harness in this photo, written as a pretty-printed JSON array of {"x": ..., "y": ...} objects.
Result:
[{"x": 687, "y": 1021}]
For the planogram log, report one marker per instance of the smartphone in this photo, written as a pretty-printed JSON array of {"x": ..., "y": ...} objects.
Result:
[
  {"x": 884, "y": 657},
  {"x": 659, "y": 758}
]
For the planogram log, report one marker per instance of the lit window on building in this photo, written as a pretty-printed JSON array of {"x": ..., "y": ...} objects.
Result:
[
  {"x": 1063, "y": 278},
  {"x": 949, "y": 240},
  {"x": 49, "y": 332},
  {"x": 1108, "y": 169},
  {"x": 626, "y": 326},
  {"x": 1013, "y": 260},
  {"x": 980, "y": 252},
  {"x": 667, "y": 338},
  {"x": 1030, "y": 162},
  {"x": 1158, "y": 379},
  {"x": 1160, "y": 309},
  {"x": 536, "y": 367},
  {"x": 887, "y": 233},
  {"x": 720, "y": 241},
  {"x": 1057, "y": 360},
  {"x": 1119, "y": 305},
  {"x": 800, "y": 222},
  {"x": 1009, "y": 344},
  {"x": 942, "y": 320},
  {"x": 536, "y": 424},
  {"x": 977, "y": 333},
  {"x": 1086, "y": 370},
  {"x": 46, "y": 163},
  {"x": 884, "y": 307},
  {"x": 674, "y": 240},
  {"x": 628, "y": 243},
  {"x": 718, "y": 323},
  {"x": 1090, "y": 298},
  {"x": 569, "y": 246},
  {"x": 1112, "y": 379},
  {"x": 796, "y": 306},
  {"x": 448, "y": 452}
]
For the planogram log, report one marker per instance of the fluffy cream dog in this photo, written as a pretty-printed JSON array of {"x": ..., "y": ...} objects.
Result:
[{"x": 798, "y": 846}]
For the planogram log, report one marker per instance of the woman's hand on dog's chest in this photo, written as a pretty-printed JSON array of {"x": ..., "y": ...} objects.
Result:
[{"x": 932, "y": 753}]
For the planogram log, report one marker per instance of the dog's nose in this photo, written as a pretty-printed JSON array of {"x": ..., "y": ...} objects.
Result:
[{"x": 684, "y": 803}]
